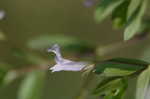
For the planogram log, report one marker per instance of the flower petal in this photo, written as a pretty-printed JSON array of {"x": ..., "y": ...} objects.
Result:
[{"x": 65, "y": 64}]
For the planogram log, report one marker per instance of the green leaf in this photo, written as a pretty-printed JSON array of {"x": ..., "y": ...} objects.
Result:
[
  {"x": 10, "y": 76},
  {"x": 105, "y": 8},
  {"x": 130, "y": 61},
  {"x": 119, "y": 15},
  {"x": 104, "y": 81},
  {"x": 109, "y": 96},
  {"x": 117, "y": 72},
  {"x": 119, "y": 94},
  {"x": 121, "y": 90},
  {"x": 2, "y": 36},
  {"x": 27, "y": 58},
  {"x": 68, "y": 43},
  {"x": 2, "y": 76},
  {"x": 123, "y": 64},
  {"x": 145, "y": 26},
  {"x": 143, "y": 83},
  {"x": 3, "y": 72},
  {"x": 135, "y": 21},
  {"x": 111, "y": 88},
  {"x": 31, "y": 87},
  {"x": 109, "y": 85},
  {"x": 134, "y": 4}
]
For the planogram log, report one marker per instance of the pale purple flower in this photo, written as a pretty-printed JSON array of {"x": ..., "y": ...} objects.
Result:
[
  {"x": 65, "y": 64},
  {"x": 89, "y": 3},
  {"x": 2, "y": 14}
]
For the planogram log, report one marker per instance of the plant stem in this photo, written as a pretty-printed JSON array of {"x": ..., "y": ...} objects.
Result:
[{"x": 85, "y": 87}]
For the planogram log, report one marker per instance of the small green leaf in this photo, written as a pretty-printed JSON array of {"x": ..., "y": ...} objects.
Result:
[
  {"x": 123, "y": 64},
  {"x": 119, "y": 94},
  {"x": 135, "y": 21},
  {"x": 110, "y": 84},
  {"x": 145, "y": 26},
  {"x": 111, "y": 88},
  {"x": 3, "y": 72},
  {"x": 134, "y": 4},
  {"x": 2, "y": 76},
  {"x": 2, "y": 36},
  {"x": 104, "y": 81},
  {"x": 143, "y": 83},
  {"x": 119, "y": 15},
  {"x": 105, "y": 8},
  {"x": 109, "y": 96},
  {"x": 117, "y": 72},
  {"x": 31, "y": 87},
  {"x": 10, "y": 77},
  {"x": 130, "y": 61}
]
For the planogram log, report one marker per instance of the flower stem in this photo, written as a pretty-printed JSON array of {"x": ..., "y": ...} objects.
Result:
[{"x": 83, "y": 94}]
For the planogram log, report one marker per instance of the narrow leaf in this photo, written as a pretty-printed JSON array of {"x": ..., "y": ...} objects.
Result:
[
  {"x": 117, "y": 72},
  {"x": 3, "y": 72},
  {"x": 123, "y": 64},
  {"x": 119, "y": 15},
  {"x": 109, "y": 96},
  {"x": 31, "y": 87},
  {"x": 109, "y": 86},
  {"x": 112, "y": 88},
  {"x": 134, "y": 4},
  {"x": 2, "y": 36},
  {"x": 135, "y": 21},
  {"x": 2, "y": 76},
  {"x": 142, "y": 84},
  {"x": 105, "y": 8}
]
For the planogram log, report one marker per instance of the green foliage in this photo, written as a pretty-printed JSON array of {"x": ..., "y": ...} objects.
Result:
[
  {"x": 31, "y": 87},
  {"x": 10, "y": 76},
  {"x": 105, "y": 8},
  {"x": 143, "y": 83},
  {"x": 145, "y": 26},
  {"x": 119, "y": 15},
  {"x": 68, "y": 43},
  {"x": 133, "y": 7},
  {"x": 111, "y": 88},
  {"x": 117, "y": 72},
  {"x": 3, "y": 73},
  {"x": 135, "y": 21},
  {"x": 125, "y": 13},
  {"x": 2, "y": 36},
  {"x": 26, "y": 58},
  {"x": 120, "y": 66}
]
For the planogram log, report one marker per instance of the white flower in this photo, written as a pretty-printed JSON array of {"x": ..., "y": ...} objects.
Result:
[{"x": 64, "y": 64}]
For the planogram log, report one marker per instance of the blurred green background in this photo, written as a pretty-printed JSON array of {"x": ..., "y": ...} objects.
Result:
[{"x": 27, "y": 19}]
